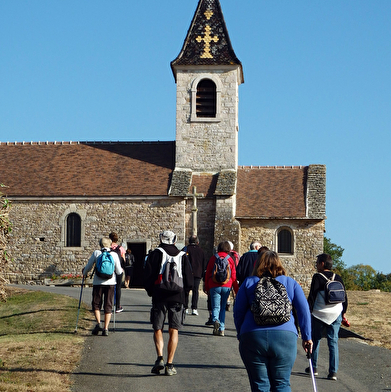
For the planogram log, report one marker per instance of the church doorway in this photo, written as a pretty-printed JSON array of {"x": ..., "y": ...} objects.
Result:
[{"x": 139, "y": 250}]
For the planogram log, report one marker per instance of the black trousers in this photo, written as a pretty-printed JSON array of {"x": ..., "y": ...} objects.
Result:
[{"x": 194, "y": 296}]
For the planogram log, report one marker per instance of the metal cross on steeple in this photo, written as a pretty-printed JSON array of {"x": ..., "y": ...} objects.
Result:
[{"x": 207, "y": 40}]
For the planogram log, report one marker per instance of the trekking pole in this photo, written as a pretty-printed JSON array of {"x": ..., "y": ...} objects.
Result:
[
  {"x": 115, "y": 289},
  {"x": 311, "y": 370},
  {"x": 78, "y": 310}
]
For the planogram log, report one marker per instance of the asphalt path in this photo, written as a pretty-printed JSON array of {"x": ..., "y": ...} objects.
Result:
[{"x": 123, "y": 360}]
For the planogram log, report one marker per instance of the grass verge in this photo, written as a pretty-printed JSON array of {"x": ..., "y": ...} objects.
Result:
[{"x": 38, "y": 349}]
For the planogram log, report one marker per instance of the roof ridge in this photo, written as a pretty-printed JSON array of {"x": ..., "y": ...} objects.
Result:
[
  {"x": 71, "y": 142},
  {"x": 272, "y": 167}
]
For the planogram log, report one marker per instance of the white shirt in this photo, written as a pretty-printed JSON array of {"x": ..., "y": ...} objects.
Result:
[
  {"x": 324, "y": 312},
  {"x": 97, "y": 280}
]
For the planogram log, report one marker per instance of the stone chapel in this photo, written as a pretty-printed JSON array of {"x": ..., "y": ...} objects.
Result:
[{"x": 65, "y": 195}]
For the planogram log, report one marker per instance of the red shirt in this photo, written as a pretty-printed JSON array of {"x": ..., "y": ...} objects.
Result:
[{"x": 209, "y": 283}]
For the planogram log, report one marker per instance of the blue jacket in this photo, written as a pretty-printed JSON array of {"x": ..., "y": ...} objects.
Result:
[{"x": 244, "y": 319}]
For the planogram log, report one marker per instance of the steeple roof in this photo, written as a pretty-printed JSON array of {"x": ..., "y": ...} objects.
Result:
[{"x": 207, "y": 41}]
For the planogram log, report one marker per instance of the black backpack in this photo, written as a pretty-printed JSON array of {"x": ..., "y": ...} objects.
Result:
[
  {"x": 271, "y": 305},
  {"x": 334, "y": 291},
  {"x": 117, "y": 250}
]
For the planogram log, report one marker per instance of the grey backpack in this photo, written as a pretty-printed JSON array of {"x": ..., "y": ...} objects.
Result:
[{"x": 170, "y": 275}]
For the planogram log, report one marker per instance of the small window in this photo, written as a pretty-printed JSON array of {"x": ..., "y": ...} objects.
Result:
[
  {"x": 73, "y": 230},
  {"x": 284, "y": 241},
  {"x": 206, "y": 98}
]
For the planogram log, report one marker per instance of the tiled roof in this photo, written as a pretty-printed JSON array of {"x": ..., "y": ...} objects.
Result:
[
  {"x": 91, "y": 169},
  {"x": 207, "y": 41},
  {"x": 205, "y": 183},
  {"x": 139, "y": 169},
  {"x": 271, "y": 192}
]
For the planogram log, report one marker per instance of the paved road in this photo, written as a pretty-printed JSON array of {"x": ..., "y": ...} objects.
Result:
[{"x": 123, "y": 360}]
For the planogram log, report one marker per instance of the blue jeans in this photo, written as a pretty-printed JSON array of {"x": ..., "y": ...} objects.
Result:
[
  {"x": 269, "y": 357},
  {"x": 332, "y": 341},
  {"x": 218, "y": 299}
]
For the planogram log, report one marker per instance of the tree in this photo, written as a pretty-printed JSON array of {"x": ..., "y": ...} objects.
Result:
[
  {"x": 336, "y": 252},
  {"x": 364, "y": 276},
  {"x": 5, "y": 229},
  {"x": 383, "y": 282}
]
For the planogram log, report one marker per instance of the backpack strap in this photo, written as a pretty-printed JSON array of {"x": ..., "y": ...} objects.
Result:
[
  {"x": 225, "y": 258},
  {"x": 327, "y": 279}
]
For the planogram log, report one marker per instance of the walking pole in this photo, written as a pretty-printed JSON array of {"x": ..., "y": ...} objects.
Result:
[
  {"x": 115, "y": 289},
  {"x": 311, "y": 370},
  {"x": 78, "y": 310}
]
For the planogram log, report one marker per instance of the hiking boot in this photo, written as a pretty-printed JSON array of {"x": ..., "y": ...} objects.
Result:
[
  {"x": 221, "y": 332},
  {"x": 105, "y": 332},
  {"x": 194, "y": 312},
  {"x": 119, "y": 310},
  {"x": 307, "y": 370},
  {"x": 170, "y": 370},
  {"x": 97, "y": 329},
  {"x": 216, "y": 327},
  {"x": 332, "y": 376},
  {"x": 210, "y": 321},
  {"x": 159, "y": 365}
]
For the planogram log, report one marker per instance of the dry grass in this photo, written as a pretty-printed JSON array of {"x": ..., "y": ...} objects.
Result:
[
  {"x": 38, "y": 349},
  {"x": 369, "y": 316}
]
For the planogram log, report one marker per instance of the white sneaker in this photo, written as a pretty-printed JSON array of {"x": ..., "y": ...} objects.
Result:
[
  {"x": 187, "y": 311},
  {"x": 194, "y": 312}
]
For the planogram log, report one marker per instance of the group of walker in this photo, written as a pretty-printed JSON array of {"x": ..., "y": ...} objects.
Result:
[{"x": 268, "y": 351}]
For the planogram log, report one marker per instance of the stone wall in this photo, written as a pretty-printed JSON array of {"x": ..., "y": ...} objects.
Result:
[
  {"x": 213, "y": 144},
  {"x": 206, "y": 219},
  {"x": 308, "y": 243},
  {"x": 36, "y": 247},
  {"x": 37, "y": 244},
  {"x": 316, "y": 192}
]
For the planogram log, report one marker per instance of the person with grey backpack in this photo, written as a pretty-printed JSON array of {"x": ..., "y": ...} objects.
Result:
[{"x": 167, "y": 274}]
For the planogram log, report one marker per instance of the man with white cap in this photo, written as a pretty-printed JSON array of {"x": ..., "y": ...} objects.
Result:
[{"x": 167, "y": 300}]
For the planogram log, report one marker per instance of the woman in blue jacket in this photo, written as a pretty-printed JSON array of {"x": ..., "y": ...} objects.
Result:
[{"x": 269, "y": 351}]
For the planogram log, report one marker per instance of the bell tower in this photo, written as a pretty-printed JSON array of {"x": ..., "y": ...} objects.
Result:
[{"x": 207, "y": 74}]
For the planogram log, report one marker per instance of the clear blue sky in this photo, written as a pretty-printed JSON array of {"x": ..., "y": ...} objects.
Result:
[{"x": 317, "y": 89}]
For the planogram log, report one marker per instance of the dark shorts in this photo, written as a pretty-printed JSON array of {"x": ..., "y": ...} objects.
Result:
[
  {"x": 129, "y": 271},
  {"x": 173, "y": 310},
  {"x": 103, "y": 294}
]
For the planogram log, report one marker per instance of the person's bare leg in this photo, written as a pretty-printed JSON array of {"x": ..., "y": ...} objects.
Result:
[
  {"x": 159, "y": 342},
  {"x": 172, "y": 344},
  {"x": 107, "y": 320},
  {"x": 97, "y": 316}
]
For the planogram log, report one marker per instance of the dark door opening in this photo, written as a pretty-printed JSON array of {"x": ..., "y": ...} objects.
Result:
[{"x": 139, "y": 250}]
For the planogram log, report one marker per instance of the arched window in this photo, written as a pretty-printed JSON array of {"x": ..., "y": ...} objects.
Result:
[
  {"x": 285, "y": 243},
  {"x": 73, "y": 238},
  {"x": 206, "y": 98}
]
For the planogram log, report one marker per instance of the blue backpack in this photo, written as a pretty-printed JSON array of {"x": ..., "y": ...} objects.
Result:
[{"x": 105, "y": 265}]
